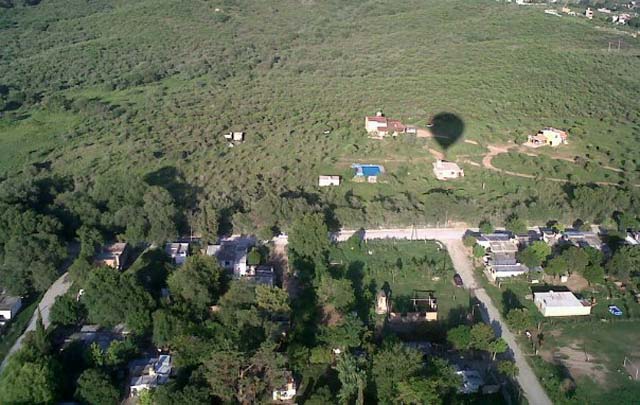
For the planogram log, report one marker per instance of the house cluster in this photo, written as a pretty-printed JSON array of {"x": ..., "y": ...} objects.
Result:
[
  {"x": 547, "y": 137},
  {"x": 149, "y": 373},
  {"x": 500, "y": 259},
  {"x": 232, "y": 255},
  {"x": 9, "y": 307},
  {"x": 379, "y": 126},
  {"x": 501, "y": 248},
  {"x": 621, "y": 19},
  {"x": 445, "y": 170}
]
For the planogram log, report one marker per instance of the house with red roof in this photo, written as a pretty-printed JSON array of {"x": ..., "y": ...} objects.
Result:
[{"x": 381, "y": 126}]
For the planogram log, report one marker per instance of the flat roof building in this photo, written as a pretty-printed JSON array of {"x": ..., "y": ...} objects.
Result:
[
  {"x": 445, "y": 170},
  {"x": 560, "y": 303},
  {"x": 177, "y": 251}
]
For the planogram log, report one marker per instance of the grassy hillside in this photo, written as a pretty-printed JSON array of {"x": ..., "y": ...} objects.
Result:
[{"x": 117, "y": 88}]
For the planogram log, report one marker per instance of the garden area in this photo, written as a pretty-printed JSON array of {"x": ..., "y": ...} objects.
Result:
[
  {"x": 579, "y": 360},
  {"x": 405, "y": 268}
]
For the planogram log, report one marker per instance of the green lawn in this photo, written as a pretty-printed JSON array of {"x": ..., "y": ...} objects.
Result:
[
  {"x": 154, "y": 83},
  {"x": 606, "y": 338},
  {"x": 407, "y": 267}
]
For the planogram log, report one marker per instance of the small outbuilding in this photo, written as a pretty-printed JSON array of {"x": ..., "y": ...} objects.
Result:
[
  {"x": 234, "y": 136},
  {"x": 445, "y": 170},
  {"x": 327, "y": 181}
]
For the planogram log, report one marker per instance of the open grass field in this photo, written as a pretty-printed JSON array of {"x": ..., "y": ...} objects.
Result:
[
  {"x": 407, "y": 267},
  {"x": 581, "y": 358},
  {"x": 113, "y": 88}
]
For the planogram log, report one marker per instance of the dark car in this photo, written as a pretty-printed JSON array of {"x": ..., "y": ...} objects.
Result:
[{"x": 458, "y": 280}]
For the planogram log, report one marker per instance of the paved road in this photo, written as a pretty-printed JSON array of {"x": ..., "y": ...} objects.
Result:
[
  {"x": 59, "y": 287},
  {"x": 452, "y": 239}
]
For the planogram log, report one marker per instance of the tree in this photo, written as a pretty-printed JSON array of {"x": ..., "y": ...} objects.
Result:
[
  {"x": 593, "y": 273},
  {"x": 111, "y": 297},
  {"x": 335, "y": 292},
  {"x": 481, "y": 337},
  {"x": 497, "y": 346},
  {"x": 273, "y": 300},
  {"x": 347, "y": 334},
  {"x": 198, "y": 281},
  {"x": 556, "y": 266},
  {"x": 90, "y": 240},
  {"x": 309, "y": 238},
  {"x": 40, "y": 338},
  {"x": 576, "y": 259},
  {"x": 29, "y": 380},
  {"x": 439, "y": 386},
  {"x": 161, "y": 212},
  {"x": 469, "y": 241},
  {"x": 515, "y": 225},
  {"x": 95, "y": 387},
  {"x": 234, "y": 375},
  {"x": 188, "y": 395},
  {"x": 595, "y": 255},
  {"x": 534, "y": 254},
  {"x": 519, "y": 319},
  {"x": 254, "y": 257},
  {"x": 166, "y": 327},
  {"x": 66, "y": 311},
  {"x": 627, "y": 222},
  {"x": 625, "y": 259},
  {"x": 508, "y": 368},
  {"x": 478, "y": 251},
  {"x": 392, "y": 364},
  {"x": 207, "y": 222},
  {"x": 486, "y": 227},
  {"x": 460, "y": 337},
  {"x": 352, "y": 380}
]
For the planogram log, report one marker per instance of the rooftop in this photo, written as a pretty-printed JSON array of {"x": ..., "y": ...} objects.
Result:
[
  {"x": 176, "y": 249},
  {"x": 7, "y": 301},
  {"x": 446, "y": 165},
  {"x": 558, "y": 298}
]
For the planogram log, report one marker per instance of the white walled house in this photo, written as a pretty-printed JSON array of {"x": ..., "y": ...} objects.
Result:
[
  {"x": 178, "y": 252},
  {"x": 447, "y": 170},
  {"x": 560, "y": 303},
  {"x": 9, "y": 307},
  {"x": 326, "y": 181}
]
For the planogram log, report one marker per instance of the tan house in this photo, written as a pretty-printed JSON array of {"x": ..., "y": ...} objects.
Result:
[
  {"x": 447, "y": 170},
  {"x": 326, "y": 181},
  {"x": 547, "y": 137},
  {"x": 114, "y": 255}
]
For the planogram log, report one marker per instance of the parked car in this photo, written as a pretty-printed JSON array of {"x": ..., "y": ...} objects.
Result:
[
  {"x": 457, "y": 280},
  {"x": 615, "y": 311}
]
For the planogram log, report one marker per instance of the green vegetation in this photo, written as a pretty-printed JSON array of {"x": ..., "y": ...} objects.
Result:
[
  {"x": 603, "y": 338},
  {"x": 17, "y": 325},
  {"x": 134, "y": 102}
]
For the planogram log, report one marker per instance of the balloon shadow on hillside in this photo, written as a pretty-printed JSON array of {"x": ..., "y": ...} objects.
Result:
[{"x": 447, "y": 129}]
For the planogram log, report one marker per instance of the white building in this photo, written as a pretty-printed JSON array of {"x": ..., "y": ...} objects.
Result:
[
  {"x": 447, "y": 170},
  {"x": 149, "y": 373},
  {"x": 588, "y": 13},
  {"x": 234, "y": 136},
  {"x": 9, "y": 307},
  {"x": 560, "y": 303},
  {"x": 177, "y": 251},
  {"x": 325, "y": 181},
  {"x": 287, "y": 392},
  {"x": 506, "y": 270}
]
